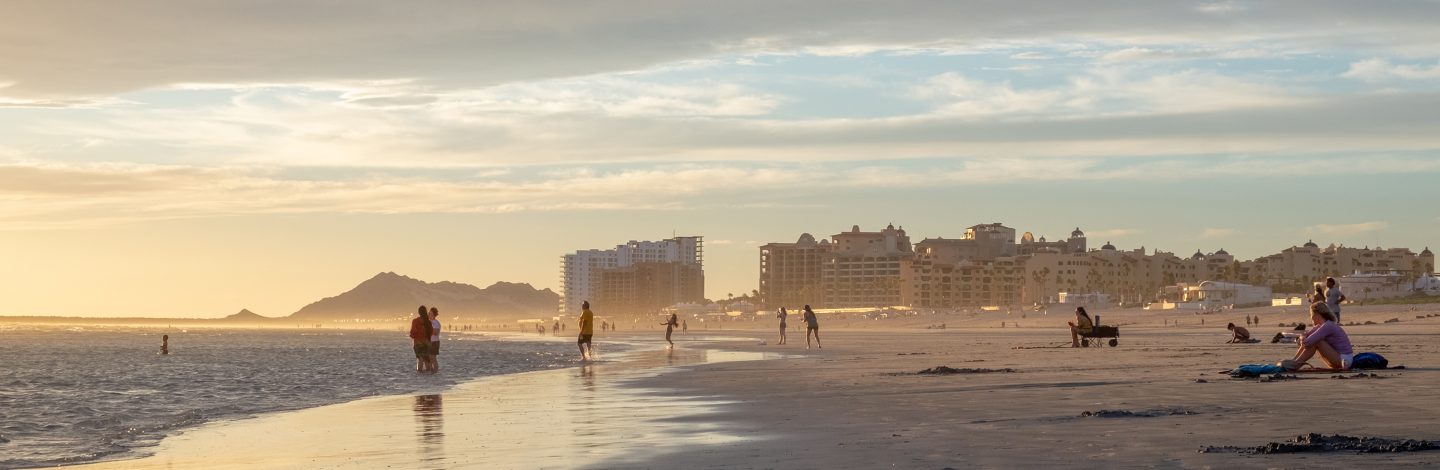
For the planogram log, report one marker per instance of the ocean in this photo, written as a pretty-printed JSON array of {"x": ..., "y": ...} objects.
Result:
[{"x": 79, "y": 394}]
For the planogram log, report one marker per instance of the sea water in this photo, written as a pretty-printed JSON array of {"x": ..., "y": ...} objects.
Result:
[{"x": 78, "y": 394}]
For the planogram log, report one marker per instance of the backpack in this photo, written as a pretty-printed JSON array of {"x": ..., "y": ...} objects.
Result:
[{"x": 1369, "y": 360}]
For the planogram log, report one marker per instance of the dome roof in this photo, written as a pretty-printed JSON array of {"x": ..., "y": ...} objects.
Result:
[
  {"x": 1311, "y": 244},
  {"x": 1197, "y": 254},
  {"x": 1108, "y": 246},
  {"x": 1077, "y": 233},
  {"x": 1427, "y": 251},
  {"x": 1222, "y": 252},
  {"x": 805, "y": 239}
]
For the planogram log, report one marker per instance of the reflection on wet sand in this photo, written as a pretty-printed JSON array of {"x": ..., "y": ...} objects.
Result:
[
  {"x": 430, "y": 430},
  {"x": 563, "y": 418}
]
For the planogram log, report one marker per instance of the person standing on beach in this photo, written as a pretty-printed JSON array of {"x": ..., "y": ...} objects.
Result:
[
  {"x": 164, "y": 345},
  {"x": 587, "y": 332},
  {"x": 435, "y": 339},
  {"x": 1333, "y": 297},
  {"x": 782, "y": 316},
  {"x": 812, "y": 327},
  {"x": 670, "y": 325},
  {"x": 420, "y": 340}
]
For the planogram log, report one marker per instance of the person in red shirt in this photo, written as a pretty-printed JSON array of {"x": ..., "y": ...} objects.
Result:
[{"x": 420, "y": 331}]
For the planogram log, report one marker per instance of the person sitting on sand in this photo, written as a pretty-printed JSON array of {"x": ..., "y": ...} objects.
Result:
[
  {"x": 587, "y": 332},
  {"x": 1239, "y": 333},
  {"x": 812, "y": 327},
  {"x": 1082, "y": 325},
  {"x": 1326, "y": 338}
]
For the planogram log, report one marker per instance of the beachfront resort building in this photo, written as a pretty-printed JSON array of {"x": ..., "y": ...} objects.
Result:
[
  {"x": 988, "y": 267},
  {"x": 633, "y": 277},
  {"x": 851, "y": 269},
  {"x": 790, "y": 272}
]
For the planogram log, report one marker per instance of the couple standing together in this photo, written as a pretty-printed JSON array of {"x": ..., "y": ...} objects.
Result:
[
  {"x": 425, "y": 337},
  {"x": 812, "y": 326}
]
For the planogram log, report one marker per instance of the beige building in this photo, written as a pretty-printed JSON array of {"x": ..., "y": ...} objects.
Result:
[
  {"x": 790, "y": 272},
  {"x": 648, "y": 287},
  {"x": 862, "y": 269},
  {"x": 988, "y": 267}
]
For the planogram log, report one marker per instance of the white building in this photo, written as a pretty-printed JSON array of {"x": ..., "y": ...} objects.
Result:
[{"x": 580, "y": 271}]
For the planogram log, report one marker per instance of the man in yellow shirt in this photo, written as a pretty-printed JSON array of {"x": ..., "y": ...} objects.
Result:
[{"x": 587, "y": 331}]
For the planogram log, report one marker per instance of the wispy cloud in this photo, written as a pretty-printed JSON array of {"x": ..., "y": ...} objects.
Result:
[
  {"x": 1382, "y": 69},
  {"x": 1211, "y": 233},
  {"x": 1347, "y": 229},
  {"x": 1111, "y": 233}
]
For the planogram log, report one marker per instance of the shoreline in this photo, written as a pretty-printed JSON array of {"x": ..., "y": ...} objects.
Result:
[
  {"x": 359, "y": 432},
  {"x": 1156, "y": 400}
]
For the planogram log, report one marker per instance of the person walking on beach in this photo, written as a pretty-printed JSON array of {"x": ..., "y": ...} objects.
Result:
[
  {"x": 1333, "y": 297},
  {"x": 782, "y": 316},
  {"x": 164, "y": 345},
  {"x": 435, "y": 339},
  {"x": 587, "y": 332},
  {"x": 812, "y": 327},
  {"x": 420, "y": 340},
  {"x": 670, "y": 325},
  {"x": 685, "y": 326}
]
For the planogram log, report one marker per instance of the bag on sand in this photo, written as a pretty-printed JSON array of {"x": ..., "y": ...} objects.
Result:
[
  {"x": 1288, "y": 364},
  {"x": 1369, "y": 360}
]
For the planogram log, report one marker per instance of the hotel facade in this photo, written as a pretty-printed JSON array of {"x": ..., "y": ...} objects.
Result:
[
  {"x": 636, "y": 277},
  {"x": 988, "y": 266}
]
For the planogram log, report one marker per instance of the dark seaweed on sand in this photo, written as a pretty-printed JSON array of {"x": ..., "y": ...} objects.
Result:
[
  {"x": 946, "y": 370},
  {"x": 1337, "y": 443}
]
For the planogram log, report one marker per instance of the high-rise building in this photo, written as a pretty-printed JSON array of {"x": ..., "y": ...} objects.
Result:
[
  {"x": 790, "y": 272},
  {"x": 583, "y": 273}
]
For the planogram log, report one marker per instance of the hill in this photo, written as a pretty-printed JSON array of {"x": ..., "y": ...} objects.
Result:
[{"x": 393, "y": 296}]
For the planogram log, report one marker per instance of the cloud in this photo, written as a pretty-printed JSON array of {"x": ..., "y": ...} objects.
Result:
[
  {"x": 1030, "y": 55},
  {"x": 1214, "y": 233},
  {"x": 1376, "y": 70},
  {"x": 1347, "y": 229},
  {"x": 719, "y": 242},
  {"x": 50, "y": 195},
  {"x": 1112, "y": 233},
  {"x": 51, "y": 52}
]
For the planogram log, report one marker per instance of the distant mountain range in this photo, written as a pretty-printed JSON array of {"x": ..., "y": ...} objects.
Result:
[{"x": 389, "y": 295}]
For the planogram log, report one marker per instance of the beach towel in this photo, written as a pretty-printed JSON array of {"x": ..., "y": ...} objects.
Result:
[{"x": 1256, "y": 370}]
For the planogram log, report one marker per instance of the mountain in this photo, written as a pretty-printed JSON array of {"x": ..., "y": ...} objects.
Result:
[
  {"x": 246, "y": 316},
  {"x": 393, "y": 296}
]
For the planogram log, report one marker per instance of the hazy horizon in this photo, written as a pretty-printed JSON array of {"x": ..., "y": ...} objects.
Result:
[{"x": 189, "y": 159}]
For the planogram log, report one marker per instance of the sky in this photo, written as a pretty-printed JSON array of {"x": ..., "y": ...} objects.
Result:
[{"x": 192, "y": 158}]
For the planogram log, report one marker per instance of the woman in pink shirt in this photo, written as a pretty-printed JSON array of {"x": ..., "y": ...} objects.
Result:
[{"x": 1326, "y": 338}]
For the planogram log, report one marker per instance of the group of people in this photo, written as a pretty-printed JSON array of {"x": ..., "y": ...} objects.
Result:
[
  {"x": 812, "y": 326},
  {"x": 1325, "y": 337},
  {"x": 425, "y": 339}
]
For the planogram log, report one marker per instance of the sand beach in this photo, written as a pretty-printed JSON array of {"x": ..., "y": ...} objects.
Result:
[{"x": 724, "y": 400}]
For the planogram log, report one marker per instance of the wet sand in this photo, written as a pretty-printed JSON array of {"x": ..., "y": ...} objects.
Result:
[{"x": 1156, "y": 401}]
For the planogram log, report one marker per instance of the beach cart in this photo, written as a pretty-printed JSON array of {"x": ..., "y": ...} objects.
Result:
[{"x": 1097, "y": 336}]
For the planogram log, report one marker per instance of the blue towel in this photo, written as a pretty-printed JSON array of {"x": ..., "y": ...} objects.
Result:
[{"x": 1256, "y": 370}]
